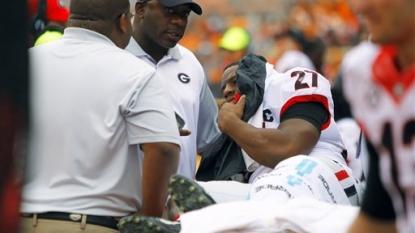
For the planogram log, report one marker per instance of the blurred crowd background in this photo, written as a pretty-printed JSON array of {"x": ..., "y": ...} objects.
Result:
[
  {"x": 329, "y": 27},
  {"x": 331, "y": 21}
]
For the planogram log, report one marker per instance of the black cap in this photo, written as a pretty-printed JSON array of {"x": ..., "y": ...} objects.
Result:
[{"x": 171, "y": 3}]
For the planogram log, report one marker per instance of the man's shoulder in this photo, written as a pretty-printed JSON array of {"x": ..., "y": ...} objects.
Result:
[
  {"x": 125, "y": 56},
  {"x": 296, "y": 82},
  {"x": 292, "y": 59},
  {"x": 186, "y": 60},
  {"x": 125, "y": 61},
  {"x": 187, "y": 54},
  {"x": 360, "y": 57},
  {"x": 184, "y": 49}
]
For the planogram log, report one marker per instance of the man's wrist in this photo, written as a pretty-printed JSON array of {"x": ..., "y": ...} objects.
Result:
[{"x": 228, "y": 123}]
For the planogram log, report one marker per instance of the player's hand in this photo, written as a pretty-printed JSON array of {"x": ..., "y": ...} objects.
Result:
[
  {"x": 184, "y": 132},
  {"x": 230, "y": 112}
]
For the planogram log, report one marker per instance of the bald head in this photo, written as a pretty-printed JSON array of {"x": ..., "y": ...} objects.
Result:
[
  {"x": 97, "y": 10},
  {"x": 110, "y": 18}
]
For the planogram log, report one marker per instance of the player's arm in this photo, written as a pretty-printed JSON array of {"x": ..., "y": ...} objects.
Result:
[
  {"x": 298, "y": 132},
  {"x": 377, "y": 213},
  {"x": 371, "y": 225},
  {"x": 160, "y": 162},
  {"x": 152, "y": 126}
]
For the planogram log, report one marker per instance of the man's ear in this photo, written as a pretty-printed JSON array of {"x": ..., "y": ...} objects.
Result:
[
  {"x": 139, "y": 9},
  {"x": 124, "y": 23}
]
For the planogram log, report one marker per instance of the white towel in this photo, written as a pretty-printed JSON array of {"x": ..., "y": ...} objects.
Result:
[
  {"x": 256, "y": 121},
  {"x": 301, "y": 215}
]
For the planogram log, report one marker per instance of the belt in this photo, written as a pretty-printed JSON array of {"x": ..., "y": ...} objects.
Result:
[{"x": 104, "y": 221}]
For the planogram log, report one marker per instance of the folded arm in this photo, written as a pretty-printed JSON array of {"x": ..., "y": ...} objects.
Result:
[
  {"x": 160, "y": 162},
  {"x": 294, "y": 135}
]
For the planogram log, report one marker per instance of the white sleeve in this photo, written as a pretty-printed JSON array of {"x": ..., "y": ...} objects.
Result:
[
  {"x": 149, "y": 114},
  {"x": 356, "y": 68},
  {"x": 292, "y": 59},
  {"x": 207, "y": 127}
]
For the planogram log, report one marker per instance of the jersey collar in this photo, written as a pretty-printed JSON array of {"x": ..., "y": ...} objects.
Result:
[
  {"x": 385, "y": 72},
  {"x": 134, "y": 48}
]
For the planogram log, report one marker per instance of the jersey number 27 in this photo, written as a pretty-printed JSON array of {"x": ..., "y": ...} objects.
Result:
[{"x": 301, "y": 83}]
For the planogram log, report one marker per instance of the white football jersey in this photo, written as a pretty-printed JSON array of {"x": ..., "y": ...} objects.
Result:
[
  {"x": 292, "y": 59},
  {"x": 299, "y": 85},
  {"x": 302, "y": 85},
  {"x": 383, "y": 102}
]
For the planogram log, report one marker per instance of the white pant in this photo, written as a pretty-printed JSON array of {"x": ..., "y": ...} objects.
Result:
[
  {"x": 294, "y": 177},
  {"x": 226, "y": 191},
  {"x": 297, "y": 177}
]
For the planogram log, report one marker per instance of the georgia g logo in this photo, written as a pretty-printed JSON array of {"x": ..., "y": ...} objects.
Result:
[{"x": 184, "y": 78}]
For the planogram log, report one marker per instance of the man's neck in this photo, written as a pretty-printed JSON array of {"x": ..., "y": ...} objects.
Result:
[
  {"x": 406, "y": 53},
  {"x": 151, "y": 48}
]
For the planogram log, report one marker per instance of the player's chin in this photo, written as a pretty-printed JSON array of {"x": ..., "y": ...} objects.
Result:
[
  {"x": 168, "y": 45},
  {"x": 380, "y": 38},
  {"x": 170, "y": 42},
  {"x": 377, "y": 34}
]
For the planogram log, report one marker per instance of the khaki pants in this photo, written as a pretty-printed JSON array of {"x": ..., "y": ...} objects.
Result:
[{"x": 35, "y": 225}]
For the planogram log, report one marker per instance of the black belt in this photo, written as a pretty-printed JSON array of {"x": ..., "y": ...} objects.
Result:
[{"x": 104, "y": 221}]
